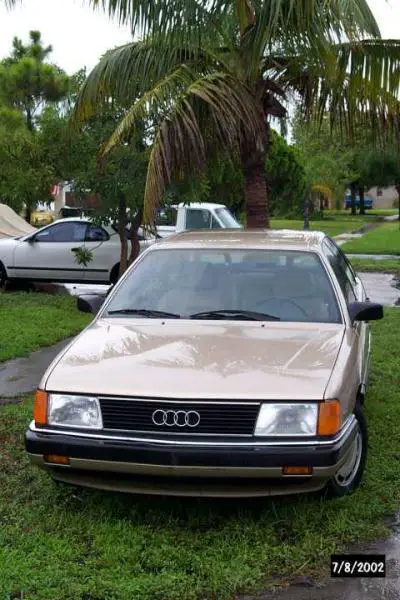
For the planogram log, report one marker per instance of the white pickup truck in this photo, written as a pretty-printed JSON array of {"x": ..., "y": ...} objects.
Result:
[
  {"x": 194, "y": 216},
  {"x": 48, "y": 253}
]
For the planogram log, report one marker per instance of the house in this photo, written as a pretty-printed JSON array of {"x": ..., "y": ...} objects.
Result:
[{"x": 384, "y": 197}]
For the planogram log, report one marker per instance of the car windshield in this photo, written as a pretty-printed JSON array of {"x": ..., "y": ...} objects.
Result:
[
  {"x": 227, "y": 219},
  {"x": 228, "y": 284}
]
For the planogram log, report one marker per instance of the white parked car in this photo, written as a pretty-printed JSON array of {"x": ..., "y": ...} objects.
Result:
[{"x": 48, "y": 254}]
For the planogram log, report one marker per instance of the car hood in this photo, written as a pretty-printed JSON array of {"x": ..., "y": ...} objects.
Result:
[{"x": 197, "y": 359}]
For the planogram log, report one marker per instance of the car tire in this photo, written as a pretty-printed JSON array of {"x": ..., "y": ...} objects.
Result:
[
  {"x": 3, "y": 277},
  {"x": 347, "y": 479},
  {"x": 114, "y": 275}
]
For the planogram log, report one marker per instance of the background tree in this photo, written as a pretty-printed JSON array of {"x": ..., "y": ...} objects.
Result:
[
  {"x": 117, "y": 181},
  {"x": 286, "y": 178},
  {"x": 212, "y": 76},
  {"x": 327, "y": 158},
  {"x": 25, "y": 174},
  {"x": 28, "y": 82}
]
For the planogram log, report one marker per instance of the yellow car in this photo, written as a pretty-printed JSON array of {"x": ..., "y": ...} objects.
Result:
[{"x": 40, "y": 218}]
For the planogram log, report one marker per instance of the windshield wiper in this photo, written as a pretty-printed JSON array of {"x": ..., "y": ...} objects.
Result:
[
  {"x": 245, "y": 315},
  {"x": 144, "y": 312}
]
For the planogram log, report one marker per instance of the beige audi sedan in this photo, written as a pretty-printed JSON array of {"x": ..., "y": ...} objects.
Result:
[{"x": 223, "y": 363}]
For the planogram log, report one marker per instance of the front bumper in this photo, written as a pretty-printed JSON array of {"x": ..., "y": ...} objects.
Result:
[{"x": 196, "y": 468}]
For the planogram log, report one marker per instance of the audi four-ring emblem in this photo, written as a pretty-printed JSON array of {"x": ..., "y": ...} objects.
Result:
[{"x": 176, "y": 418}]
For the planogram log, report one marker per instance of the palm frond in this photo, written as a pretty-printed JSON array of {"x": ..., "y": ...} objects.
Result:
[
  {"x": 214, "y": 111},
  {"x": 181, "y": 18},
  {"x": 149, "y": 103},
  {"x": 352, "y": 82},
  {"x": 129, "y": 71}
]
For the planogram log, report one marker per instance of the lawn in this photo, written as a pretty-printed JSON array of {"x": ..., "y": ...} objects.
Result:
[
  {"x": 31, "y": 320},
  {"x": 57, "y": 542},
  {"x": 385, "y": 239},
  {"x": 331, "y": 227},
  {"x": 385, "y": 265}
]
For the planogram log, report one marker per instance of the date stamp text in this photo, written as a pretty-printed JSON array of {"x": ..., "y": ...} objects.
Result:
[{"x": 358, "y": 565}]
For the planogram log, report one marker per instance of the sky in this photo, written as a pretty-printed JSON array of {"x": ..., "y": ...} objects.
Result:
[{"x": 79, "y": 36}]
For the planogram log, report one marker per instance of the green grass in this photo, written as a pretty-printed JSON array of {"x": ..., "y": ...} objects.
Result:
[
  {"x": 385, "y": 239},
  {"x": 31, "y": 320},
  {"x": 57, "y": 542},
  {"x": 331, "y": 227},
  {"x": 377, "y": 266}
]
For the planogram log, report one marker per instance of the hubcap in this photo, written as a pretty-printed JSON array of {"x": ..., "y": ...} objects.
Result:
[{"x": 349, "y": 469}]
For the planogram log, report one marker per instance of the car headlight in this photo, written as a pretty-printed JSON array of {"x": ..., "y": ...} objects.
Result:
[
  {"x": 74, "y": 411},
  {"x": 287, "y": 419}
]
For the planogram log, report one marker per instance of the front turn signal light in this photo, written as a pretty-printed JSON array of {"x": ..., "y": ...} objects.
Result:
[
  {"x": 40, "y": 408},
  {"x": 329, "y": 418},
  {"x": 56, "y": 459},
  {"x": 297, "y": 471}
]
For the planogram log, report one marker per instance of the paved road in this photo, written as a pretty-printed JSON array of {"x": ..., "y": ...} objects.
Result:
[
  {"x": 382, "y": 288},
  {"x": 23, "y": 375}
]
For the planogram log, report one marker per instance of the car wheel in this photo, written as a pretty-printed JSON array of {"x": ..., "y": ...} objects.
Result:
[
  {"x": 349, "y": 476},
  {"x": 3, "y": 278}
]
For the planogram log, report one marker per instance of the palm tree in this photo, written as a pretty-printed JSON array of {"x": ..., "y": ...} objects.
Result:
[{"x": 208, "y": 75}]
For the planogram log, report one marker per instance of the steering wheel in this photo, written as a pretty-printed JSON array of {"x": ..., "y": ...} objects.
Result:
[{"x": 283, "y": 301}]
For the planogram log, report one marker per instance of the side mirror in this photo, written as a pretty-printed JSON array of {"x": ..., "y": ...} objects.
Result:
[
  {"x": 365, "y": 311},
  {"x": 31, "y": 240},
  {"x": 90, "y": 303}
]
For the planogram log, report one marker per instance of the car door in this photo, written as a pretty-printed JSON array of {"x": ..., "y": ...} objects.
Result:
[
  {"x": 362, "y": 327},
  {"x": 105, "y": 247},
  {"x": 49, "y": 254},
  {"x": 353, "y": 291}
]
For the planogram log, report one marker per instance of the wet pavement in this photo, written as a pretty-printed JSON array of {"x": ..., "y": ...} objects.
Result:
[
  {"x": 387, "y": 588},
  {"x": 22, "y": 375},
  {"x": 382, "y": 287},
  {"x": 375, "y": 257}
]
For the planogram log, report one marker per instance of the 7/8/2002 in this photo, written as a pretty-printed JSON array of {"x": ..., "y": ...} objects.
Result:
[{"x": 358, "y": 565}]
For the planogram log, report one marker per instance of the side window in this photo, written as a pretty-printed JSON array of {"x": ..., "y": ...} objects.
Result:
[
  {"x": 167, "y": 217},
  {"x": 198, "y": 219},
  {"x": 342, "y": 270},
  {"x": 96, "y": 233},
  {"x": 63, "y": 232}
]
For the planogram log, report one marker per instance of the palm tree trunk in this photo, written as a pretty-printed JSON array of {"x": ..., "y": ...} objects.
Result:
[
  {"x": 122, "y": 221},
  {"x": 28, "y": 214},
  {"x": 256, "y": 195},
  {"x": 353, "y": 188},
  {"x": 361, "y": 191},
  {"x": 135, "y": 245}
]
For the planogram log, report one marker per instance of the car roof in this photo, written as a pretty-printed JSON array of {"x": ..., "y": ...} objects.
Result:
[
  {"x": 201, "y": 205},
  {"x": 246, "y": 238}
]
